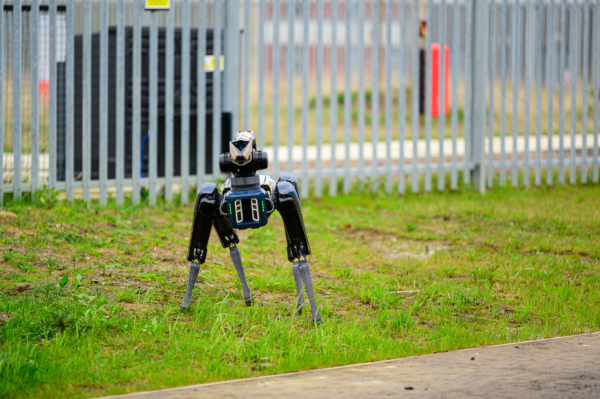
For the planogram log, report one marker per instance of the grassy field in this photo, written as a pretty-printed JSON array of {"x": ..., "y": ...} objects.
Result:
[{"x": 514, "y": 264}]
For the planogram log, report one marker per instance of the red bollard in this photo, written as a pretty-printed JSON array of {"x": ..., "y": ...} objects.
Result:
[{"x": 435, "y": 80}]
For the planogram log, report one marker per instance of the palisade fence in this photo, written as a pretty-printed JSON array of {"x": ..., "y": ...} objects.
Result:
[{"x": 102, "y": 98}]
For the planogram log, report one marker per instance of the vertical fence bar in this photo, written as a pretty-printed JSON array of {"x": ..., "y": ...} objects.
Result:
[
  {"x": 361, "y": 92},
  {"x": 169, "y": 89},
  {"x": 70, "y": 103},
  {"x": 492, "y": 80},
  {"x": 539, "y": 12},
  {"x": 246, "y": 67},
  {"x": 561, "y": 68},
  {"x": 441, "y": 181},
  {"x": 503, "y": 34},
  {"x": 35, "y": 117},
  {"x": 201, "y": 102},
  {"x": 573, "y": 68},
  {"x": 415, "y": 97},
  {"x": 305, "y": 65},
  {"x": 550, "y": 85},
  {"x": 333, "y": 100},
  {"x": 480, "y": 60},
  {"x": 216, "y": 122},
  {"x": 104, "y": 101},
  {"x": 137, "y": 100},
  {"x": 347, "y": 97},
  {"x": 261, "y": 73},
  {"x": 291, "y": 9},
  {"x": 428, "y": 97},
  {"x": 185, "y": 101},
  {"x": 120, "y": 161},
  {"x": 17, "y": 129},
  {"x": 375, "y": 97},
  {"x": 52, "y": 98},
  {"x": 454, "y": 72},
  {"x": 2, "y": 103},
  {"x": 596, "y": 77},
  {"x": 276, "y": 63},
  {"x": 468, "y": 94},
  {"x": 320, "y": 12},
  {"x": 515, "y": 81},
  {"x": 528, "y": 55},
  {"x": 584, "y": 72},
  {"x": 402, "y": 95},
  {"x": 388, "y": 96},
  {"x": 152, "y": 128},
  {"x": 87, "y": 99}
]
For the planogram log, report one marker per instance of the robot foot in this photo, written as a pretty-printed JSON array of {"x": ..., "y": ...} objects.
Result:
[
  {"x": 305, "y": 274},
  {"x": 239, "y": 268},
  {"x": 193, "y": 275}
]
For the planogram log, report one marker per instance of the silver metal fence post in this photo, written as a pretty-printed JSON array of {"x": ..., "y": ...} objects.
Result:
[
  {"x": 104, "y": 101},
  {"x": 319, "y": 127},
  {"x": 201, "y": 102},
  {"x": 561, "y": 68},
  {"x": 52, "y": 98},
  {"x": 573, "y": 69},
  {"x": 17, "y": 124},
  {"x": 539, "y": 12},
  {"x": 441, "y": 177},
  {"x": 246, "y": 63},
  {"x": 304, "y": 190},
  {"x": 584, "y": 74},
  {"x": 153, "y": 90},
  {"x": 347, "y": 96},
  {"x": 169, "y": 89},
  {"x": 503, "y": 34},
  {"x": 454, "y": 71},
  {"x": 361, "y": 92},
  {"x": 261, "y": 73},
  {"x": 291, "y": 14},
  {"x": 492, "y": 81},
  {"x": 415, "y": 97},
  {"x": 231, "y": 73},
  {"x": 596, "y": 77},
  {"x": 137, "y": 100},
  {"x": 87, "y": 99},
  {"x": 550, "y": 85},
  {"x": 478, "y": 111},
  {"x": 375, "y": 97},
  {"x": 388, "y": 96},
  {"x": 428, "y": 96},
  {"x": 402, "y": 103},
  {"x": 333, "y": 100},
  {"x": 515, "y": 81},
  {"x": 276, "y": 62},
  {"x": 1, "y": 103},
  {"x": 34, "y": 79},
  {"x": 120, "y": 161},
  {"x": 217, "y": 86},
  {"x": 528, "y": 60},
  {"x": 70, "y": 103},
  {"x": 185, "y": 102},
  {"x": 468, "y": 93}
]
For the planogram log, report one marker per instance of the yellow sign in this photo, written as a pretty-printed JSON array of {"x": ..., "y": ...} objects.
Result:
[
  {"x": 158, "y": 4},
  {"x": 209, "y": 63}
]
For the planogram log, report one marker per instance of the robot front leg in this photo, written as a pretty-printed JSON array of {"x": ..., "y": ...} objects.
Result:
[
  {"x": 298, "y": 280},
  {"x": 239, "y": 268},
  {"x": 304, "y": 270}
]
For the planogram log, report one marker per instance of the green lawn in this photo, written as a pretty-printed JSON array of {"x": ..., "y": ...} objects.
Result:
[{"x": 512, "y": 265}]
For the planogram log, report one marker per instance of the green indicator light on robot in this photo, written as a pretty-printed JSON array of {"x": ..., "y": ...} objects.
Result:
[{"x": 230, "y": 209}]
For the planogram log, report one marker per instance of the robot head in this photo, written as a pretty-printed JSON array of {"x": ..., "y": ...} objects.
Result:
[{"x": 241, "y": 147}]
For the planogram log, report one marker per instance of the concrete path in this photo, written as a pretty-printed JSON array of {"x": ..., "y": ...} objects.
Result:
[{"x": 566, "y": 367}]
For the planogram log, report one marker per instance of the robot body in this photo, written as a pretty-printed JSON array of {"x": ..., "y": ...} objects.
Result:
[{"x": 246, "y": 201}]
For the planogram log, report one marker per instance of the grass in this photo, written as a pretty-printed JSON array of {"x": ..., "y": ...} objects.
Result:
[{"x": 514, "y": 264}]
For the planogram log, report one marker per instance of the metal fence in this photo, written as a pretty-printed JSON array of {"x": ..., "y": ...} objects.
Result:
[{"x": 102, "y": 98}]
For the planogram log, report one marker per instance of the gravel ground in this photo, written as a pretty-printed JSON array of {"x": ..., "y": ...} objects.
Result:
[{"x": 565, "y": 367}]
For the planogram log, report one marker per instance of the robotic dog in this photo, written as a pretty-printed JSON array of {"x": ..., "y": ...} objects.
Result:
[{"x": 245, "y": 202}]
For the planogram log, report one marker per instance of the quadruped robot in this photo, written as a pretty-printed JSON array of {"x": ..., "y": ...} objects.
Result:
[{"x": 245, "y": 202}]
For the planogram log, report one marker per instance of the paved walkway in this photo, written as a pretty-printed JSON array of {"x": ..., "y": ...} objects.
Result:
[{"x": 566, "y": 367}]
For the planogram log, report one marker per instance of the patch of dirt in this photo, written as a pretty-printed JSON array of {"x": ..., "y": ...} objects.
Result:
[
  {"x": 4, "y": 317},
  {"x": 7, "y": 215}
]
